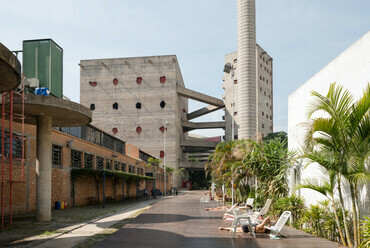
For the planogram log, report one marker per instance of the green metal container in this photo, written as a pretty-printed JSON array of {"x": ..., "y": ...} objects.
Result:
[{"x": 43, "y": 59}]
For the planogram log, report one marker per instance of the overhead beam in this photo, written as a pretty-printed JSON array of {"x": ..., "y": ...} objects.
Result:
[
  {"x": 188, "y": 126},
  {"x": 193, "y": 165},
  {"x": 203, "y": 111},
  {"x": 198, "y": 143},
  {"x": 191, "y": 149},
  {"x": 181, "y": 91}
]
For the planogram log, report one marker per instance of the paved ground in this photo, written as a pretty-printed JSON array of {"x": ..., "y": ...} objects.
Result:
[
  {"x": 179, "y": 222},
  {"x": 78, "y": 235},
  {"x": 70, "y": 235}
]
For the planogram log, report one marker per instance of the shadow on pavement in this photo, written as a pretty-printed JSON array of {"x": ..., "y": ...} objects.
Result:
[{"x": 140, "y": 238}]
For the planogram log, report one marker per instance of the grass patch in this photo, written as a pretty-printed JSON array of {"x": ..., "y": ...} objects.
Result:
[
  {"x": 93, "y": 240},
  {"x": 48, "y": 233}
]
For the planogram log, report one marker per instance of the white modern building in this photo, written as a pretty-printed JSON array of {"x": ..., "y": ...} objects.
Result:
[{"x": 351, "y": 69}]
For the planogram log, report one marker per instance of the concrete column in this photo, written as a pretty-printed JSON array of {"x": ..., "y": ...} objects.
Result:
[
  {"x": 43, "y": 169},
  {"x": 247, "y": 69}
]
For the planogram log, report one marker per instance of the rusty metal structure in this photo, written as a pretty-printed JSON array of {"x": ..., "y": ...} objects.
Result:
[
  {"x": 10, "y": 78},
  {"x": 8, "y": 140}
]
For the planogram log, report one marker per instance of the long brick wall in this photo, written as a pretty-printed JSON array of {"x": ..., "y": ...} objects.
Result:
[{"x": 86, "y": 188}]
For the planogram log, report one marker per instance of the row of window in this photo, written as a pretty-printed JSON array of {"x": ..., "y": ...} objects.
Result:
[
  {"x": 138, "y": 105},
  {"x": 263, "y": 59},
  {"x": 267, "y": 116},
  {"x": 266, "y": 69},
  {"x": 76, "y": 161},
  {"x": 265, "y": 93},
  {"x": 139, "y": 80},
  {"x": 263, "y": 126},
  {"x": 96, "y": 136},
  {"x": 264, "y": 80}
]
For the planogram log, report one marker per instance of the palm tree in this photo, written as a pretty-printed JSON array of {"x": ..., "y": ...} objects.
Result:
[
  {"x": 220, "y": 163},
  {"x": 326, "y": 188},
  {"x": 344, "y": 133}
]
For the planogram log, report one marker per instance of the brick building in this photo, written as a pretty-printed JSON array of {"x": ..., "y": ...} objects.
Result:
[{"x": 79, "y": 147}]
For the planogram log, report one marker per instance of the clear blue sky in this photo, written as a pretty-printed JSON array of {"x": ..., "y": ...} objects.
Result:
[{"x": 301, "y": 35}]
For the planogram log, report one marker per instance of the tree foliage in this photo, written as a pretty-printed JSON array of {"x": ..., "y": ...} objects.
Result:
[
  {"x": 245, "y": 161},
  {"x": 339, "y": 141}
]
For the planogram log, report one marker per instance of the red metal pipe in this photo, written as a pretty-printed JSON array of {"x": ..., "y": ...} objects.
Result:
[
  {"x": 2, "y": 160},
  {"x": 11, "y": 156}
]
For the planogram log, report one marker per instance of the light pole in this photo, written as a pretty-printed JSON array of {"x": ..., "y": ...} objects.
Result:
[
  {"x": 230, "y": 68},
  {"x": 166, "y": 124}
]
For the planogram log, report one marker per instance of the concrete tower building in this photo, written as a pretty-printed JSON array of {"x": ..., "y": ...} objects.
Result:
[
  {"x": 263, "y": 105},
  {"x": 133, "y": 98},
  {"x": 247, "y": 68}
]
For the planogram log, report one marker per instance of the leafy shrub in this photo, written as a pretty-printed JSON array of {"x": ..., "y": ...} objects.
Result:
[
  {"x": 294, "y": 204},
  {"x": 319, "y": 220},
  {"x": 365, "y": 233}
]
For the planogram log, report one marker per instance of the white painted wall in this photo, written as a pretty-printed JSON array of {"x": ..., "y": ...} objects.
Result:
[{"x": 351, "y": 69}]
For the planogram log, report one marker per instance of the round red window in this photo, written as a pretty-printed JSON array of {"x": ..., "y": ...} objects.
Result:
[
  {"x": 138, "y": 129},
  {"x": 161, "y": 154},
  {"x": 115, "y": 130},
  {"x": 93, "y": 83},
  {"x": 138, "y": 80},
  {"x": 115, "y": 81}
]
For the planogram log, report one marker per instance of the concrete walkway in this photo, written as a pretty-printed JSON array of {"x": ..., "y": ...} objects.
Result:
[
  {"x": 180, "y": 222},
  {"x": 78, "y": 233}
]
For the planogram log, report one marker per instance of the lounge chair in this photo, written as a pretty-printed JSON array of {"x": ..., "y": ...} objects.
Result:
[
  {"x": 230, "y": 210},
  {"x": 263, "y": 211},
  {"x": 241, "y": 219},
  {"x": 275, "y": 230}
]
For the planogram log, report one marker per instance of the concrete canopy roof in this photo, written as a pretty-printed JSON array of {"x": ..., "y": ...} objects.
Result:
[
  {"x": 10, "y": 70},
  {"x": 63, "y": 113}
]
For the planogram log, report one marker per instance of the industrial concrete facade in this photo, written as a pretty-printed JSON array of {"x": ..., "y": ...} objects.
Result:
[
  {"x": 351, "y": 70},
  {"x": 133, "y": 98},
  {"x": 263, "y": 90}
]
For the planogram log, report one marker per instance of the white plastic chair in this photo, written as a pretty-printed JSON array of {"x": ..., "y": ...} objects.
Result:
[
  {"x": 241, "y": 219},
  {"x": 203, "y": 202},
  {"x": 265, "y": 208},
  {"x": 250, "y": 202},
  {"x": 275, "y": 230},
  {"x": 230, "y": 210}
]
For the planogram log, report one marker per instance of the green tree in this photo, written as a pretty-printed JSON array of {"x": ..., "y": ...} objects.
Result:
[
  {"x": 325, "y": 188},
  {"x": 343, "y": 134}
]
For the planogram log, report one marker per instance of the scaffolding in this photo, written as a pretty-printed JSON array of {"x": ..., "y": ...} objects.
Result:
[{"x": 9, "y": 141}]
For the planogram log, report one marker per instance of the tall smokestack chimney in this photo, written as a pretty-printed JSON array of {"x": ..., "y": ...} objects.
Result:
[{"x": 247, "y": 68}]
